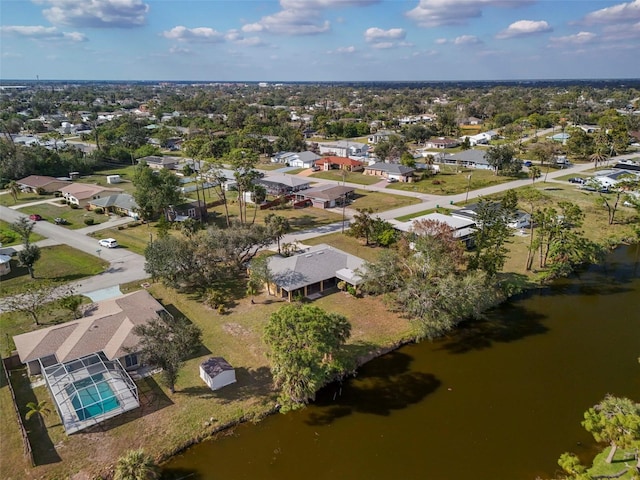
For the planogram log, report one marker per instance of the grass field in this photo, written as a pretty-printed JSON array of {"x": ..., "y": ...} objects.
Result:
[
  {"x": 6, "y": 199},
  {"x": 347, "y": 244},
  {"x": 75, "y": 217},
  {"x": 448, "y": 182},
  {"x": 349, "y": 177},
  {"x": 380, "y": 202},
  {"x": 59, "y": 263},
  {"x": 8, "y": 237}
]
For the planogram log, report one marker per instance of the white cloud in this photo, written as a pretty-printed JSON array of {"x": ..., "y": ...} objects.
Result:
[
  {"x": 434, "y": 13},
  {"x": 343, "y": 50},
  {"x": 179, "y": 51},
  {"x": 523, "y": 28},
  {"x": 623, "y": 12},
  {"x": 235, "y": 36},
  {"x": 95, "y": 13},
  {"x": 441, "y": 41},
  {"x": 375, "y": 34},
  {"x": 201, "y": 34},
  {"x": 383, "y": 45},
  {"x": 38, "y": 32},
  {"x": 301, "y": 17},
  {"x": 577, "y": 39},
  {"x": 467, "y": 40}
]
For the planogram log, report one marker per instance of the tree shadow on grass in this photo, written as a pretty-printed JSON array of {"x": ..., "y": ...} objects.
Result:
[
  {"x": 249, "y": 383},
  {"x": 389, "y": 386},
  {"x": 44, "y": 451}
]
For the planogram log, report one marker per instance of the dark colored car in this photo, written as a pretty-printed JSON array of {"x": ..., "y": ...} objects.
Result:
[
  {"x": 576, "y": 180},
  {"x": 528, "y": 163},
  {"x": 35, "y": 217}
]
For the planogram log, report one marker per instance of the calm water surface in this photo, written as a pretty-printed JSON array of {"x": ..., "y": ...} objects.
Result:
[{"x": 500, "y": 401}]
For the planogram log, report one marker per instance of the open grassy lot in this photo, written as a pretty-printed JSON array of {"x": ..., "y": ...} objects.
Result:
[
  {"x": 7, "y": 200},
  {"x": 132, "y": 236},
  {"x": 75, "y": 217},
  {"x": 8, "y": 237},
  {"x": 166, "y": 422},
  {"x": 347, "y": 244},
  {"x": 380, "y": 202},
  {"x": 349, "y": 177},
  {"x": 452, "y": 183},
  {"x": 270, "y": 166},
  {"x": 59, "y": 263}
]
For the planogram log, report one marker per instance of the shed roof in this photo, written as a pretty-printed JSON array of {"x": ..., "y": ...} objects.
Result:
[{"x": 214, "y": 366}]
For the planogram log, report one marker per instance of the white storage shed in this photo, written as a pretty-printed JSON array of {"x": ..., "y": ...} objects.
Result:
[{"x": 217, "y": 373}]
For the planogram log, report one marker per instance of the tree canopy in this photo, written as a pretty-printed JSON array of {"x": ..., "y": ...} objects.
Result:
[{"x": 304, "y": 345}]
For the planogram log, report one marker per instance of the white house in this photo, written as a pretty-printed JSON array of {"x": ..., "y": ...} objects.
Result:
[
  {"x": 217, "y": 373},
  {"x": 5, "y": 264},
  {"x": 296, "y": 159},
  {"x": 343, "y": 148}
]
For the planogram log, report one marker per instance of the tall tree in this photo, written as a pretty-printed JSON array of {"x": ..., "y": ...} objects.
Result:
[
  {"x": 136, "y": 465},
  {"x": 14, "y": 190},
  {"x": 155, "y": 191},
  {"x": 304, "y": 345},
  {"x": 278, "y": 226},
  {"x": 28, "y": 256},
  {"x": 40, "y": 409},
  {"x": 362, "y": 225},
  {"x": 626, "y": 183},
  {"x": 167, "y": 343},
  {"x": 615, "y": 420},
  {"x": 23, "y": 227},
  {"x": 502, "y": 159},
  {"x": 260, "y": 272}
]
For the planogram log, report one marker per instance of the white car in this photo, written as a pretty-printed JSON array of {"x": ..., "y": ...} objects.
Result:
[{"x": 108, "y": 242}]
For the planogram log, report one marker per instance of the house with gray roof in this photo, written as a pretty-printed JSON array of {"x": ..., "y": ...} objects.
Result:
[
  {"x": 462, "y": 229},
  {"x": 313, "y": 272},
  {"x": 327, "y": 195},
  {"x": 390, "y": 171},
  {"x": 120, "y": 204},
  {"x": 474, "y": 158},
  {"x": 84, "y": 362},
  {"x": 296, "y": 159},
  {"x": 281, "y": 183}
]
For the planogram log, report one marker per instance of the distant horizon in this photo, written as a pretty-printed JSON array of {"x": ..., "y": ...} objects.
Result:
[{"x": 319, "y": 40}]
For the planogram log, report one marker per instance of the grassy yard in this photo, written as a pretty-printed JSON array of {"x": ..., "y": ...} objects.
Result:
[
  {"x": 75, "y": 217},
  {"x": 380, "y": 202},
  {"x": 347, "y": 244},
  {"x": 133, "y": 236},
  {"x": 59, "y": 263},
  {"x": 167, "y": 422},
  {"x": 6, "y": 199},
  {"x": 8, "y": 237},
  {"x": 452, "y": 183},
  {"x": 621, "y": 461},
  {"x": 349, "y": 177}
]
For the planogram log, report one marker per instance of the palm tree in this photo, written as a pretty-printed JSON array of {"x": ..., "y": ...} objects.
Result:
[
  {"x": 136, "y": 465},
  {"x": 40, "y": 409},
  {"x": 14, "y": 190},
  {"x": 599, "y": 156},
  {"x": 534, "y": 172}
]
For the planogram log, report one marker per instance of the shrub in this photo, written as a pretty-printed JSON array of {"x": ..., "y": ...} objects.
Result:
[
  {"x": 89, "y": 221},
  {"x": 8, "y": 236},
  {"x": 41, "y": 191},
  {"x": 99, "y": 211}
]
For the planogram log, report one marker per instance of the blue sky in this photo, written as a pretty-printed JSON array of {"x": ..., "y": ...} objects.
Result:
[{"x": 319, "y": 40}]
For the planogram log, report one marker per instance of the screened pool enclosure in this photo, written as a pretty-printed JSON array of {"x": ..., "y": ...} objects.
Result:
[{"x": 89, "y": 390}]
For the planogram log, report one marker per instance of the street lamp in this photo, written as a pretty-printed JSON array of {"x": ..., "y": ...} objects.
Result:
[{"x": 468, "y": 187}]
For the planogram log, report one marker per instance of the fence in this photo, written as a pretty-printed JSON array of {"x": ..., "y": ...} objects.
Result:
[{"x": 23, "y": 431}]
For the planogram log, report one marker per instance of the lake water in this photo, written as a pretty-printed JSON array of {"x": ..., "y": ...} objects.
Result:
[{"x": 501, "y": 400}]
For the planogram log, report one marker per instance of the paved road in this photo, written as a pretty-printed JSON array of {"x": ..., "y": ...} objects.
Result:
[{"x": 124, "y": 265}]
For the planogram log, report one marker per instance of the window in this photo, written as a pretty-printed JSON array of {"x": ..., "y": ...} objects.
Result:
[{"x": 131, "y": 360}]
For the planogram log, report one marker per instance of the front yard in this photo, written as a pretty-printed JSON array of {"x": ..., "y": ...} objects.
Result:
[
  {"x": 349, "y": 177},
  {"x": 75, "y": 217},
  {"x": 452, "y": 182}
]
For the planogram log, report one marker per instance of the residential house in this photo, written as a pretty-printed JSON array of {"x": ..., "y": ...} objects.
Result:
[
  {"x": 36, "y": 183},
  {"x": 343, "y": 148},
  {"x": 196, "y": 209},
  {"x": 313, "y": 272},
  {"x": 120, "y": 204},
  {"x": 441, "y": 143},
  {"x": 519, "y": 219},
  {"x": 158, "y": 163},
  {"x": 471, "y": 121},
  {"x": 296, "y": 159},
  {"x": 342, "y": 163},
  {"x": 390, "y": 171},
  {"x": 80, "y": 357},
  {"x": 381, "y": 136},
  {"x": 462, "y": 228},
  {"x": 482, "y": 138},
  {"x": 467, "y": 158},
  {"x": 5, "y": 264},
  {"x": 279, "y": 184},
  {"x": 82, "y": 193},
  {"x": 327, "y": 195}
]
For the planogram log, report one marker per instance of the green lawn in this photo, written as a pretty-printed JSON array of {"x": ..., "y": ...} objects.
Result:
[
  {"x": 7, "y": 200},
  {"x": 75, "y": 217},
  {"x": 347, "y": 244},
  {"x": 8, "y": 237},
  {"x": 380, "y": 202},
  {"x": 452, "y": 183},
  {"x": 621, "y": 461},
  {"x": 59, "y": 263},
  {"x": 349, "y": 177},
  {"x": 133, "y": 236}
]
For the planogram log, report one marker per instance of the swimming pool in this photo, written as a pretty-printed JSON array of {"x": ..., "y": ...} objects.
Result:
[{"x": 92, "y": 396}]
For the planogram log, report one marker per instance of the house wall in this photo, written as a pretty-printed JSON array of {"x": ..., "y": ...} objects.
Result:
[
  {"x": 223, "y": 379},
  {"x": 5, "y": 268}
]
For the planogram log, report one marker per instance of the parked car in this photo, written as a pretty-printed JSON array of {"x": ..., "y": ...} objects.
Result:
[
  {"x": 35, "y": 217},
  {"x": 577, "y": 180},
  {"x": 392, "y": 180},
  {"x": 108, "y": 243},
  {"x": 528, "y": 163},
  {"x": 60, "y": 221}
]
